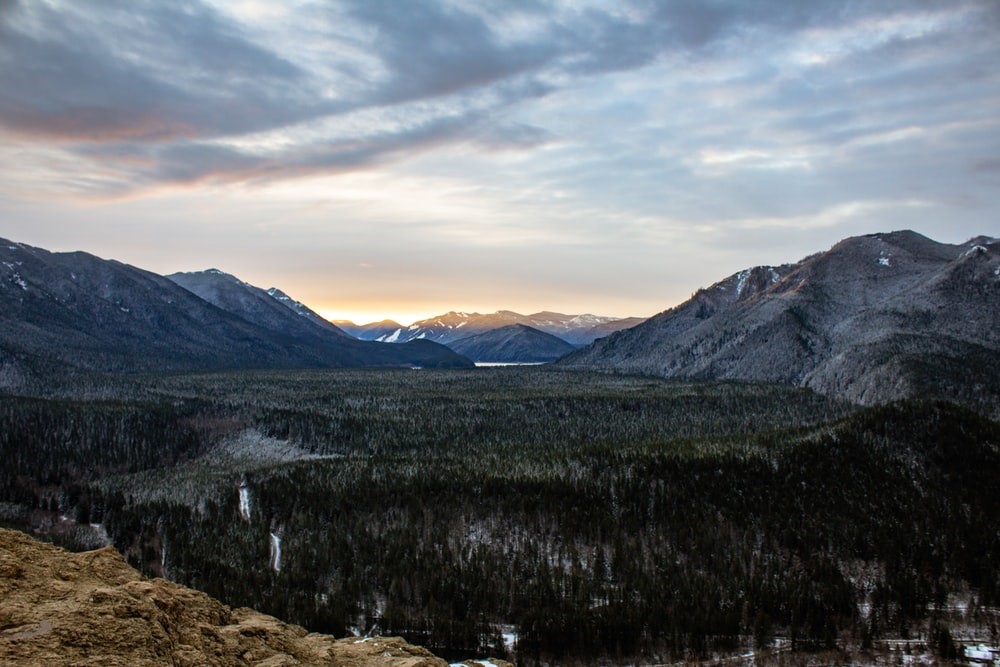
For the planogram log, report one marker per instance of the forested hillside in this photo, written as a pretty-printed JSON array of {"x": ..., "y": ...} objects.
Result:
[{"x": 554, "y": 515}]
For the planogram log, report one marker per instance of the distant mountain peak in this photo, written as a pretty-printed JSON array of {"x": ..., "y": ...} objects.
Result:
[
  {"x": 517, "y": 343},
  {"x": 212, "y": 272},
  {"x": 452, "y": 325}
]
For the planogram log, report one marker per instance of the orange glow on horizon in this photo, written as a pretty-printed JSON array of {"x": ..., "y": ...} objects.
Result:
[{"x": 369, "y": 316}]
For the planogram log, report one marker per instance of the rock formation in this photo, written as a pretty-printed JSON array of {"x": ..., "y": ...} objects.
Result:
[{"x": 91, "y": 608}]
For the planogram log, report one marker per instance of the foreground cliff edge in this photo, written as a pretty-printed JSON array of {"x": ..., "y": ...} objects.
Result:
[{"x": 92, "y": 608}]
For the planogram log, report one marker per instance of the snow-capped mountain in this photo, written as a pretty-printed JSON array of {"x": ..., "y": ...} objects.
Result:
[
  {"x": 372, "y": 331},
  {"x": 574, "y": 329}
]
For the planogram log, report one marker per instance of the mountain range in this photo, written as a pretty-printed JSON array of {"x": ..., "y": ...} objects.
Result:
[
  {"x": 73, "y": 310},
  {"x": 576, "y": 330},
  {"x": 875, "y": 318}
]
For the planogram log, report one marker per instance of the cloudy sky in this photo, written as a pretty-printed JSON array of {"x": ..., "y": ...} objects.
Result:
[{"x": 407, "y": 157}]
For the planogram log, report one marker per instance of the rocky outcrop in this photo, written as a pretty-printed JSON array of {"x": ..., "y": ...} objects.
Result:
[{"x": 92, "y": 608}]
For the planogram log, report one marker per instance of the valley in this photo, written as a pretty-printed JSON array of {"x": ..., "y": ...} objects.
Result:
[
  {"x": 798, "y": 464},
  {"x": 536, "y": 514}
]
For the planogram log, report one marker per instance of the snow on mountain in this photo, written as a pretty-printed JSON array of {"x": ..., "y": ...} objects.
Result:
[
  {"x": 301, "y": 309},
  {"x": 574, "y": 329}
]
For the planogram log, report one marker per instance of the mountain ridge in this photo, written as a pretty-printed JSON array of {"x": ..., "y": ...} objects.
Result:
[
  {"x": 75, "y": 310},
  {"x": 869, "y": 320},
  {"x": 514, "y": 343},
  {"x": 266, "y": 308},
  {"x": 446, "y": 327}
]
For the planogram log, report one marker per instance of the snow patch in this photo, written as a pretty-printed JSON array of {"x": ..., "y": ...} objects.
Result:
[
  {"x": 393, "y": 337},
  {"x": 884, "y": 259},
  {"x": 980, "y": 653},
  {"x": 245, "y": 501},
  {"x": 15, "y": 277},
  {"x": 741, "y": 281},
  {"x": 102, "y": 533},
  {"x": 275, "y": 552},
  {"x": 253, "y": 446},
  {"x": 976, "y": 249}
]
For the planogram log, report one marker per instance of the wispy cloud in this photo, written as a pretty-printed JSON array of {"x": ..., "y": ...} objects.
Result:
[{"x": 176, "y": 86}]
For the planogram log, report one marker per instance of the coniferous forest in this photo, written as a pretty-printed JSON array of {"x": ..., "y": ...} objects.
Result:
[{"x": 549, "y": 516}]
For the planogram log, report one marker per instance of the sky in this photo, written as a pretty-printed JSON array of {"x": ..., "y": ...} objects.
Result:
[{"x": 403, "y": 158}]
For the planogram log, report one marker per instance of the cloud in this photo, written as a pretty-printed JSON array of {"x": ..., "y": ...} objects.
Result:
[
  {"x": 432, "y": 49},
  {"x": 189, "y": 163},
  {"x": 989, "y": 165},
  {"x": 187, "y": 92},
  {"x": 143, "y": 71}
]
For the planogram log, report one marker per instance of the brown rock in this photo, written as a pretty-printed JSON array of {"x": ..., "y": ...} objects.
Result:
[{"x": 59, "y": 609}]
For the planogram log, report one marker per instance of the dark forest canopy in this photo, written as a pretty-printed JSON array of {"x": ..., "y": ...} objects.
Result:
[{"x": 589, "y": 515}]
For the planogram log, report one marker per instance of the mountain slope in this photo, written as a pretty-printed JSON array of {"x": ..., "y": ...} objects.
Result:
[
  {"x": 380, "y": 331},
  {"x": 305, "y": 311},
  {"x": 451, "y": 326},
  {"x": 91, "y": 608},
  {"x": 875, "y": 318},
  {"x": 272, "y": 309},
  {"x": 513, "y": 343},
  {"x": 75, "y": 310},
  {"x": 276, "y": 311}
]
